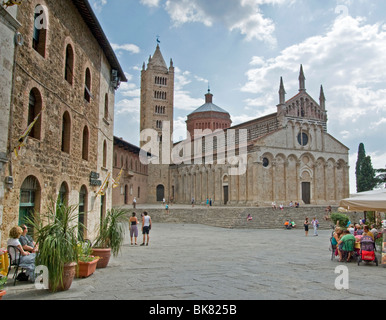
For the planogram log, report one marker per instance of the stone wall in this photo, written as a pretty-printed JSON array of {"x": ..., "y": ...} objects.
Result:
[{"x": 62, "y": 102}]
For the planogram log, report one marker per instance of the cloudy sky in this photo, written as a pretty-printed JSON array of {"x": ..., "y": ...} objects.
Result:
[{"x": 243, "y": 47}]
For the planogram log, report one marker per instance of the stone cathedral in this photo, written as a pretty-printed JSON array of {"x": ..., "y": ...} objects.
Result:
[{"x": 290, "y": 154}]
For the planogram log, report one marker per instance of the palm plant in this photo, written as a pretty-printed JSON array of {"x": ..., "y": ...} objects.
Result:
[
  {"x": 111, "y": 230},
  {"x": 56, "y": 234}
]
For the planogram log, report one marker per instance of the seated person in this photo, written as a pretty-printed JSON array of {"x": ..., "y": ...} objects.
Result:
[
  {"x": 374, "y": 231},
  {"x": 26, "y": 241},
  {"x": 366, "y": 232},
  {"x": 344, "y": 245},
  {"x": 351, "y": 229},
  {"x": 27, "y": 259},
  {"x": 336, "y": 236},
  {"x": 358, "y": 230},
  {"x": 328, "y": 212},
  {"x": 293, "y": 224},
  {"x": 287, "y": 224},
  {"x": 249, "y": 218}
]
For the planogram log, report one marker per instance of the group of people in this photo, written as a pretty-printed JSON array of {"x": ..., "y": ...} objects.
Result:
[
  {"x": 342, "y": 238},
  {"x": 26, "y": 249},
  {"x": 289, "y": 224},
  {"x": 281, "y": 206},
  {"x": 314, "y": 223},
  {"x": 146, "y": 227}
]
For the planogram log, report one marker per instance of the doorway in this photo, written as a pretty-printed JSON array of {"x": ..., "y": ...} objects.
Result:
[
  {"x": 226, "y": 194},
  {"x": 160, "y": 192},
  {"x": 306, "y": 192}
]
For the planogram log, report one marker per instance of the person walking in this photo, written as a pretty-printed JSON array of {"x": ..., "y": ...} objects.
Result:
[
  {"x": 315, "y": 224},
  {"x": 133, "y": 228},
  {"x": 306, "y": 224},
  {"x": 146, "y": 227}
]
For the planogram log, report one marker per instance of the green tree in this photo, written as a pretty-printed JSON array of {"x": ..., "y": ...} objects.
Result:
[
  {"x": 381, "y": 178},
  {"x": 367, "y": 180},
  {"x": 361, "y": 157}
]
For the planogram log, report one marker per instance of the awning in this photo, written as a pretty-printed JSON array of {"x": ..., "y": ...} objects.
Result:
[{"x": 366, "y": 201}]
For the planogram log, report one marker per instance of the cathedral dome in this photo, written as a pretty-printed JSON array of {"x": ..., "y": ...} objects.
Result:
[{"x": 208, "y": 116}]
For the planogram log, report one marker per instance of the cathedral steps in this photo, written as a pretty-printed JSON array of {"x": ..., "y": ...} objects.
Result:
[{"x": 236, "y": 217}]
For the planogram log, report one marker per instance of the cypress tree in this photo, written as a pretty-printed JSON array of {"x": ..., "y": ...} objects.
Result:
[
  {"x": 365, "y": 173},
  {"x": 361, "y": 157}
]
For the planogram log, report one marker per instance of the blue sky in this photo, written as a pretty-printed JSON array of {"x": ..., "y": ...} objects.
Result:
[{"x": 243, "y": 47}]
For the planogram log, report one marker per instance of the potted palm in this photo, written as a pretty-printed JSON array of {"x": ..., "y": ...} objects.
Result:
[
  {"x": 3, "y": 281},
  {"x": 110, "y": 237},
  {"x": 86, "y": 261},
  {"x": 56, "y": 233}
]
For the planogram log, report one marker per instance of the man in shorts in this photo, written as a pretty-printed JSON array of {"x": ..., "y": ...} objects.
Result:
[{"x": 146, "y": 226}]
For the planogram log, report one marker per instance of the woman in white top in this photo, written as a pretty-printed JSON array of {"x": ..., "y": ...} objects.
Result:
[
  {"x": 27, "y": 259},
  {"x": 146, "y": 226}
]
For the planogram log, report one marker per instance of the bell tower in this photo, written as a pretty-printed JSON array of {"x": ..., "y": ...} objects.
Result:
[
  {"x": 157, "y": 94},
  {"x": 157, "y": 113}
]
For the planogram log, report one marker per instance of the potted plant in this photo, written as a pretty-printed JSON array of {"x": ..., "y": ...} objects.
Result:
[
  {"x": 110, "y": 237},
  {"x": 86, "y": 261},
  {"x": 3, "y": 281},
  {"x": 56, "y": 233}
]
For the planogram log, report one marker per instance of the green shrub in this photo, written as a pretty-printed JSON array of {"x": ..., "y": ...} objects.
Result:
[{"x": 342, "y": 218}]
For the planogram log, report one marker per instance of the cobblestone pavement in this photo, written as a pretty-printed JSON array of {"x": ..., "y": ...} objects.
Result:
[{"x": 195, "y": 262}]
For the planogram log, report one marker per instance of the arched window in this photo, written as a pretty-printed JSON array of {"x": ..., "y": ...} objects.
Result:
[
  {"x": 66, "y": 132},
  {"x": 87, "y": 85},
  {"x": 105, "y": 154},
  {"x": 85, "y": 142},
  {"x": 69, "y": 65},
  {"x": 34, "y": 109},
  {"x": 82, "y": 212},
  {"x": 106, "y": 116},
  {"x": 63, "y": 194},
  {"x": 40, "y": 30},
  {"x": 29, "y": 200}
]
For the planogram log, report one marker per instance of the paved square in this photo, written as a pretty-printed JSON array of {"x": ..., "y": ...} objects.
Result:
[{"x": 195, "y": 262}]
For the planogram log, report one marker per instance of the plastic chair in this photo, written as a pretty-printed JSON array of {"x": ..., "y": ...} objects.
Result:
[{"x": 14, "y": 255}]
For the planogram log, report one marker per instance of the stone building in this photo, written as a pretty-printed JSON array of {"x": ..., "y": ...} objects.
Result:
[
  {"x": 289, "y": 156},
  {"x": 9, "y": 38},
  {"x": 65, "y": 78},
  {"x": 133, "y": 174}
]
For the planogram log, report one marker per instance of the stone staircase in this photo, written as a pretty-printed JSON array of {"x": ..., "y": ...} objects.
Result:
[{"x": 236, "y": 217}]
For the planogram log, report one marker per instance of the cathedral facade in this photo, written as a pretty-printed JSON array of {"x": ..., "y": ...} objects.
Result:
[{"x": 288, "y": 156}]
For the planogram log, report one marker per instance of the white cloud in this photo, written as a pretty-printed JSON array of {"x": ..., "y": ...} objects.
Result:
[
  {"x": 132, "y": 48},
  {"x": 98, "y": 4},
  {"x": 150, "y": 3},
  {"x": 243, "y": 16}
]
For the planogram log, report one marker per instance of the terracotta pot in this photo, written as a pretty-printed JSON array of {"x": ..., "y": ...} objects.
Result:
[
  {"x": 104, "y": 255},
  {"x": 68, "y": 276},
  {"x": 2, "y": 294},
  {"x": 86, "y": 269}
]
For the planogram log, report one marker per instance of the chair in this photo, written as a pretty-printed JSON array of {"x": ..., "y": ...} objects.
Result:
[{"x": 14, "y": 255}]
